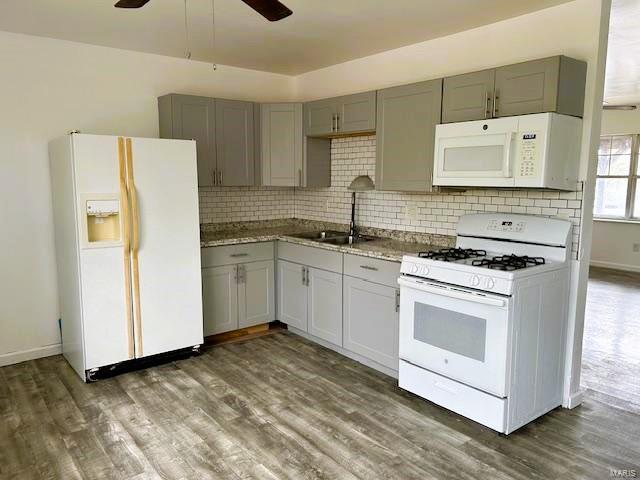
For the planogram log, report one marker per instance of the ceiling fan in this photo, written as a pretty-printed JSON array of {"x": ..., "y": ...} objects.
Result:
[{"x": 272, "y": 10}]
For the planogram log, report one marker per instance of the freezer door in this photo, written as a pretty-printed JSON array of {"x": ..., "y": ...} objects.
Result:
[
  {"x": 168, "y": 305},
  {"x": 106, "y": 329}
]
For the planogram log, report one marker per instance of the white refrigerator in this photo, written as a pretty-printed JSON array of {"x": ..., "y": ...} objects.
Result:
[{"x": 127, "y": 236}]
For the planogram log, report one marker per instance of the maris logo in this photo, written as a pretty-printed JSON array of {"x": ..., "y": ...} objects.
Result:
[
  {"x": 623, "y": 473},
  {"x": 529, "y": 136}
]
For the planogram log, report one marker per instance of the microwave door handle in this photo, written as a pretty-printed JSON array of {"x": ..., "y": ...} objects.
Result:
[
  {"x": 506, "y": 166},
  {"x": 461, "y": 295}
]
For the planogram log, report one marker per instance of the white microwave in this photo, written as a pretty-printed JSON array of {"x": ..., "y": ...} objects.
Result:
[{"x": 526, "y": 151}]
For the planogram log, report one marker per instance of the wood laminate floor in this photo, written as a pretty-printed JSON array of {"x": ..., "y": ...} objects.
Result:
[
  {"x": 611, "y": 346},
  {"x": 280, "y": 407}
]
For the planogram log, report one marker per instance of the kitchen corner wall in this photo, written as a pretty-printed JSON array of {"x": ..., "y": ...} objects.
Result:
[{"x": 416, "y": 212}]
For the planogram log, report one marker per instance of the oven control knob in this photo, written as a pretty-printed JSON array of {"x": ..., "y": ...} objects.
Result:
[
  {"x": 424, "y": 270},
  {"x": 489, "y": 283},
  {"x": 475, "y": 281},
  {"x": 414, "y": 268}
]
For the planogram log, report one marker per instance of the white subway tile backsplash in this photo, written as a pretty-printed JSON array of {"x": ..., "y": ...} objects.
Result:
[{"x": 436, "y": 212}]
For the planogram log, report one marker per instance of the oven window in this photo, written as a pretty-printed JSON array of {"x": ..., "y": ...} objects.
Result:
[
  {"x": 486, "y": 158},
  {"x": 451, "y": 331}
]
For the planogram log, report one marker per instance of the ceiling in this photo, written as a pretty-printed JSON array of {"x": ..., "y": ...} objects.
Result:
[
  {"x": 622, "y": 85},
  {"x": 318, "y": 34}
]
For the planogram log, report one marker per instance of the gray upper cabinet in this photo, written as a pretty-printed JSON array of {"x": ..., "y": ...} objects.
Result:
[
  {"x": 281, "y": 144},
  {"x": 341, "y": 115},
  {"x": 189, "y": 117},
  {"x": 320, "y": 117},
  {"x": 554, "y": 84},
  {"x": 406, "y": 120},
  {"x": 468, "y": 97},
  {"x": 235, "y": 147},
  {"x": 357, "y": 113}
]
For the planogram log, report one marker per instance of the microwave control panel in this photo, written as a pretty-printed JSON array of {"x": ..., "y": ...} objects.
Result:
[{"x": 528, "y": 153}]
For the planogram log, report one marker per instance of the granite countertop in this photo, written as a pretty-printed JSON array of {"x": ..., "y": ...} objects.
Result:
[{"x": 389, "y": 244}]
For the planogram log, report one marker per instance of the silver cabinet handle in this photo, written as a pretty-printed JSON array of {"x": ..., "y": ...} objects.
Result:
[
  {"x": 308, "y": 276},
  {"x": 369, "y": 267},
  {"x": 220, "y": 177},
  {"x": 213, "y": 176},
  {"x": 243, "y": 273},
  {"x": 495, "y": 104},
  {"x": 487, "y": 101},
  {"x": 235, "y": 273},
  {"x": 299, "y": 177},
  {"x": 397, "y": 300},
  {"x": 236, "y": 255},
  {"x": 333, "y": 122},
  {"x": 303, "y": 277},
  {"x": 337, "y": 123}
]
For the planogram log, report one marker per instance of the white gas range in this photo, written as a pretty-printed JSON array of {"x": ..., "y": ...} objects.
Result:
[{"x": 483, "y": 325}]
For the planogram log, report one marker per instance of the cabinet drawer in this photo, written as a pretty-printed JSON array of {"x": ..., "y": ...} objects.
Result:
[
  {"x": 469, "y": 402},
  {"x": 313, "y": 257},
  {"x": 372, "y": 269},
  {"x": 241, "y": 253}
]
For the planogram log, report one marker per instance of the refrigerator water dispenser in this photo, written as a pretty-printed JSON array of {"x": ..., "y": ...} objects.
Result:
[{"x": 103, "y": 221}]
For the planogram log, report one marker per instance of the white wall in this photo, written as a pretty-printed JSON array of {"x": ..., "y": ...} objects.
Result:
[
  {"x": 48, "y": 87},
  {"x": 613, "y": 241}
]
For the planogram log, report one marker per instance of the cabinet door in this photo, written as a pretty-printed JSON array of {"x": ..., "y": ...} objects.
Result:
[
  {"x": 325, "y": 305},
  {"x": 281, "y": 142},
  {"x": 371, "y": 321},
  {"x": 357, "y": 113},
  {"x": 529, "y": 87},
  {"x": 468, "y": 97},
  {"x": 220, "y": 299},
  {"x": 319, "y": 117},
  {"x": 406, "y": 125},
  {"x": 191, "y": 118},
  {"x": 292, "y": 295},
  {"x": 256, "y": 296},
  {"x": 235, "y": 144}
]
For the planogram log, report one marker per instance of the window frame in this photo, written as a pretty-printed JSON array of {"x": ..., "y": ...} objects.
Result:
[{"x": 632, "y": 177}]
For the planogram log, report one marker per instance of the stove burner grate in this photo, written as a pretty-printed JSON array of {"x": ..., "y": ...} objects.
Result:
[
  {"x": 508, "y": 262},
  {"x": 453, "y": 254}
]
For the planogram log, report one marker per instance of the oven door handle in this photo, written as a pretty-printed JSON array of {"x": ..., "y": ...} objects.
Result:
[{"x": 447, "y": 292}]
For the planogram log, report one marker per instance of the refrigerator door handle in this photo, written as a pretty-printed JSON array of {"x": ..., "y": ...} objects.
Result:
[
  {"x": 135, "y": 243},
  {"x": 126, "y": 245}
]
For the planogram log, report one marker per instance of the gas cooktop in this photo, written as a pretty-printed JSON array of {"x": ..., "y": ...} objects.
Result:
[{"x": 479, "y": 258}]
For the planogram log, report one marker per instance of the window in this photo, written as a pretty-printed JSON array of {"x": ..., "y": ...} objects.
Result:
[{"x": 617, "y": 195}]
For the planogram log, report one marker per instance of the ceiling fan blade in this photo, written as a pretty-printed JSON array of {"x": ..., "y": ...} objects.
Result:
[
  {"x": 131, "y": 3},
  {"x": 272, "y": 10}
]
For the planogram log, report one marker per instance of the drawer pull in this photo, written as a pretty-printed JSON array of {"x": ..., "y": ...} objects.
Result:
[
  {"x": 236, "y": 255},
  {"x": 369, "y": 267}
]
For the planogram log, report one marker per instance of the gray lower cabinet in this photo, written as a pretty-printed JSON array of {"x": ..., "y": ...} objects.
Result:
[
  {"x": 325, "y": 302},
  {"x": 292, "y": 295},
  {"x": 310, "y": 299},
  {"x": 220, "y": 299},
  {"x": 188, "y": 117},
  {"x": 235, "y": 142},
  {"x": 407, "y": 116},
  {"x": 371, "y": 320},
  {"x": 256, "y": 293},
  {"x": 340, "y": 115}
]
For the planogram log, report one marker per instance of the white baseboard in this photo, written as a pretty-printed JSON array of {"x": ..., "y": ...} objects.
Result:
[
  {"x": 31, "y": 354},
  {"x": 575, "y": 399},
  {"x": 615, "y": 266}
]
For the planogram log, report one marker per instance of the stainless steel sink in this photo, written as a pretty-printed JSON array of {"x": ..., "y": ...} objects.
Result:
[
  {"x": 332, "y": 237},
  {"x": 320, "y": 236}
]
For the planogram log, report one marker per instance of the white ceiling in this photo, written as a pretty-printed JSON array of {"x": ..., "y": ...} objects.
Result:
[
  {"x": 622, "y": 86},
  {"x": 318, "y": 34}
]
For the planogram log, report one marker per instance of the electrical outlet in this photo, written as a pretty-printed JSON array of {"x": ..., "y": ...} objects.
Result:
[
  {"x": 636, "y": 248},
  {"x": 411, "y": 211}
]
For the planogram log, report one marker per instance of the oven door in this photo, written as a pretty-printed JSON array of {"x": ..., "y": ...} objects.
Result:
[{"x": 458, "y": 333}]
